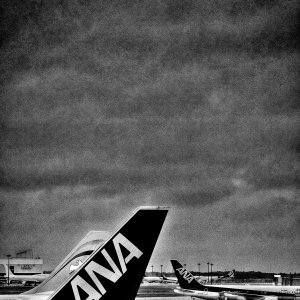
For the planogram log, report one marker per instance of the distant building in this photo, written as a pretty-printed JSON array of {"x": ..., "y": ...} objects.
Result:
[
  {"x": 291, "y": 279},
  {"x": 277, "y": 279},
  {"x": 21, "y": 266}
]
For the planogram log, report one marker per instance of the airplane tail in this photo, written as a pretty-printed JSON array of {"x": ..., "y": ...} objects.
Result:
[
  {"x": 186, "y": 279},
  {"x": 229, "y": 275},
  {"x": 116, "y": 268},
  {"x": 11, "y": 274}
]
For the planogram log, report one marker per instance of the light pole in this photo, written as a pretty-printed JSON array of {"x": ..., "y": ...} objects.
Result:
[
  {"x": 208, "y": 272},
  {"x": 152, "y": 269},
  {"x": 199, "y": 268},
  {"x": 161, "y": 266},
  {"x": 8, "y": 256},
  {"x": 211, "y": 272}
]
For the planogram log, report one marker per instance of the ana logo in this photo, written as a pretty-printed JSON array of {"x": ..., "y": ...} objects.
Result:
[
  {"x": 75, "y": 266},
  {"x": 186, "y": 275},
  {"x": 113, "y": 275}
]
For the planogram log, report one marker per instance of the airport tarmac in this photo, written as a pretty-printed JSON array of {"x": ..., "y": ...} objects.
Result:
[{"x": 153, "y": 291}]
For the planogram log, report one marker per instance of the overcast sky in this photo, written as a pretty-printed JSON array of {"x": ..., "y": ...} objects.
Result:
[{"x": 109, "y": 105}]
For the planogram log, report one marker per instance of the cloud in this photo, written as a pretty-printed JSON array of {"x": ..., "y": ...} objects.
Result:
[
  {"x": 219, "y": 123},
  {"x": 186, "y": 103},
  {"x": 250, "y": 230},
  {"x": 39, "y": 219}
]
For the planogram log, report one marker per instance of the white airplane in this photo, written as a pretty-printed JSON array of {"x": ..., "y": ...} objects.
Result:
[
  {"x": 189, "y": 286},
  {"x": 152, "y": 279},
  {"x": 114, "y": 270},
  {"x": 169, "y": 279},
  {"x": 159, "y": 279},
  {"x": 25, "y": 279}
]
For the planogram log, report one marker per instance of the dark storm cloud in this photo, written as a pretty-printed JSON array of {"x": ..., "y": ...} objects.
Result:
[
  {"x": 250, "y": 229},
  {"x": 271, "y": 211},
  {"x": 47, "y": 217},
  {"x": 213, "y": 129},
  {"x": 202, "y": 194},
  {"x": 116, "y": 104}
]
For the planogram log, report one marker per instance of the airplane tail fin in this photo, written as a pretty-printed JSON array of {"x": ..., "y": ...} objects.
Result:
[
  {"x": 116, "y": 268},
  {"x": 230, "y": 274},
  {"x": 10, "y": 272},
  {"x": 186, "y": 279}
]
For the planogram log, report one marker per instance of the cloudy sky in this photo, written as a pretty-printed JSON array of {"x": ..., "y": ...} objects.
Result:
[{"x": 108, "y": 105}]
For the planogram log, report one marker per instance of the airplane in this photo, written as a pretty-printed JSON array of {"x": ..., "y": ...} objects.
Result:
[
  {"x": 159, "y": 279},
  {"x": 25, "y": 279},
  {"x": 152, "y": 279},
  {"x": 169, "y": 279},
  {"x": 189, "y": 286},
  {"x": 114, "y": 270}
]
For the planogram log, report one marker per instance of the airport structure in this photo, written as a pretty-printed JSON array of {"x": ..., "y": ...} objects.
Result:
[{"x": 21, "y": 266}]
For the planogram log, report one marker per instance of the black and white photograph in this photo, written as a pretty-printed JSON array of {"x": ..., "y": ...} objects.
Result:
[{"x": 149, "y": 149}]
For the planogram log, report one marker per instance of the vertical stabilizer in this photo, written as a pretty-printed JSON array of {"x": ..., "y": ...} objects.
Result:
[
  {"x": 185, "y": 278},
  {"x": 115, "y": 269}
]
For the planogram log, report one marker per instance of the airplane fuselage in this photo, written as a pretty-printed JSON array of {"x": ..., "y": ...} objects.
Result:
[
  {"x": 38, "y": 278},
  {"x": 151, "y": 279},
  {"x": 230, "y": 294},
  {"x": 263, "y": 290}
]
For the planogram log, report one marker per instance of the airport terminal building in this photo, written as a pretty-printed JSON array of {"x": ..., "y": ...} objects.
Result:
[{"x": 21, "y": 266}]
